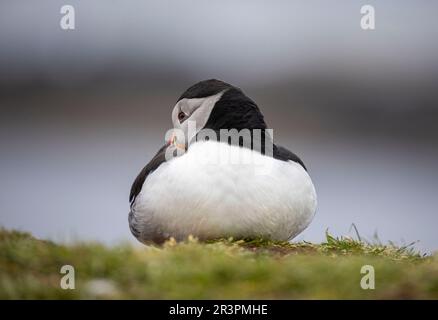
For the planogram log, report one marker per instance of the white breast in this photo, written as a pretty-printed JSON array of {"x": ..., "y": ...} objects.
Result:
[{"x": 216, "y": 190}]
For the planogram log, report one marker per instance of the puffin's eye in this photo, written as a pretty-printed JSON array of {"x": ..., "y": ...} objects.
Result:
[{"x": 181, "y": 116}]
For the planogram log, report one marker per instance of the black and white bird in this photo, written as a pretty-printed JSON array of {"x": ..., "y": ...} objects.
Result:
[{"x": 184, "y": 196}]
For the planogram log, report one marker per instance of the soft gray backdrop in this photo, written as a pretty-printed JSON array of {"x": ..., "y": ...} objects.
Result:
[{"x": 81, "y": 112}]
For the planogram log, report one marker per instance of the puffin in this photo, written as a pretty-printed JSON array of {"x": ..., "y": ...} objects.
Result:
[{"x": 239, "y": 184}]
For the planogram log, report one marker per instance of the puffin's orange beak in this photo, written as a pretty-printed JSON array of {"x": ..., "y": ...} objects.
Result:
[{"x": 172, "y": 139}]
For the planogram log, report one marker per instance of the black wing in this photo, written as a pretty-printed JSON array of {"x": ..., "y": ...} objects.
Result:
[
  {"x": 283, "y": 154},
  {"x": 156, "y": 161}
]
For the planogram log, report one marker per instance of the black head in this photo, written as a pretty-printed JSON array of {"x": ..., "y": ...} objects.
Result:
[
  {"x": 216, "y": 105},
  {"x": 205, "y": 89}
]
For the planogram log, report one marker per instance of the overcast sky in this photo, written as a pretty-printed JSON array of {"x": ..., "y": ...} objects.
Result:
[{"x": 240, "y": 39}]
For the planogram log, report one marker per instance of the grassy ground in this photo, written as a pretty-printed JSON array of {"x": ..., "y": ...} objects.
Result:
[{"x": 223, "y": 269}]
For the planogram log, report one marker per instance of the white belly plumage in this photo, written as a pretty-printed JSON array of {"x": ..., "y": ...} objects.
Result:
[{"x": 216, "y": 190}]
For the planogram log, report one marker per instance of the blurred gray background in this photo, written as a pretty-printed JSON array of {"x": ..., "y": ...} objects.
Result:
[{"x": 81, "y": 112}]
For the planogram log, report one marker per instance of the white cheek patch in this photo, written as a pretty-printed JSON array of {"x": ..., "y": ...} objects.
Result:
[
  {"x": 198, "y": 109},
  {"x": 202, "y": 114}
]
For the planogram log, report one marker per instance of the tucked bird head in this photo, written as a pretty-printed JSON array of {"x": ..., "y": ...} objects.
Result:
[{"x": 214, "y": 104}]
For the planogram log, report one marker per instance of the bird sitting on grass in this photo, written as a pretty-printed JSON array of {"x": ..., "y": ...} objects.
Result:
[{"x": 244, "y": 187}]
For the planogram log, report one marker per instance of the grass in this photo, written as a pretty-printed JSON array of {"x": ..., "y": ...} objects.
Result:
[{"x": 222, "y": 269}]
